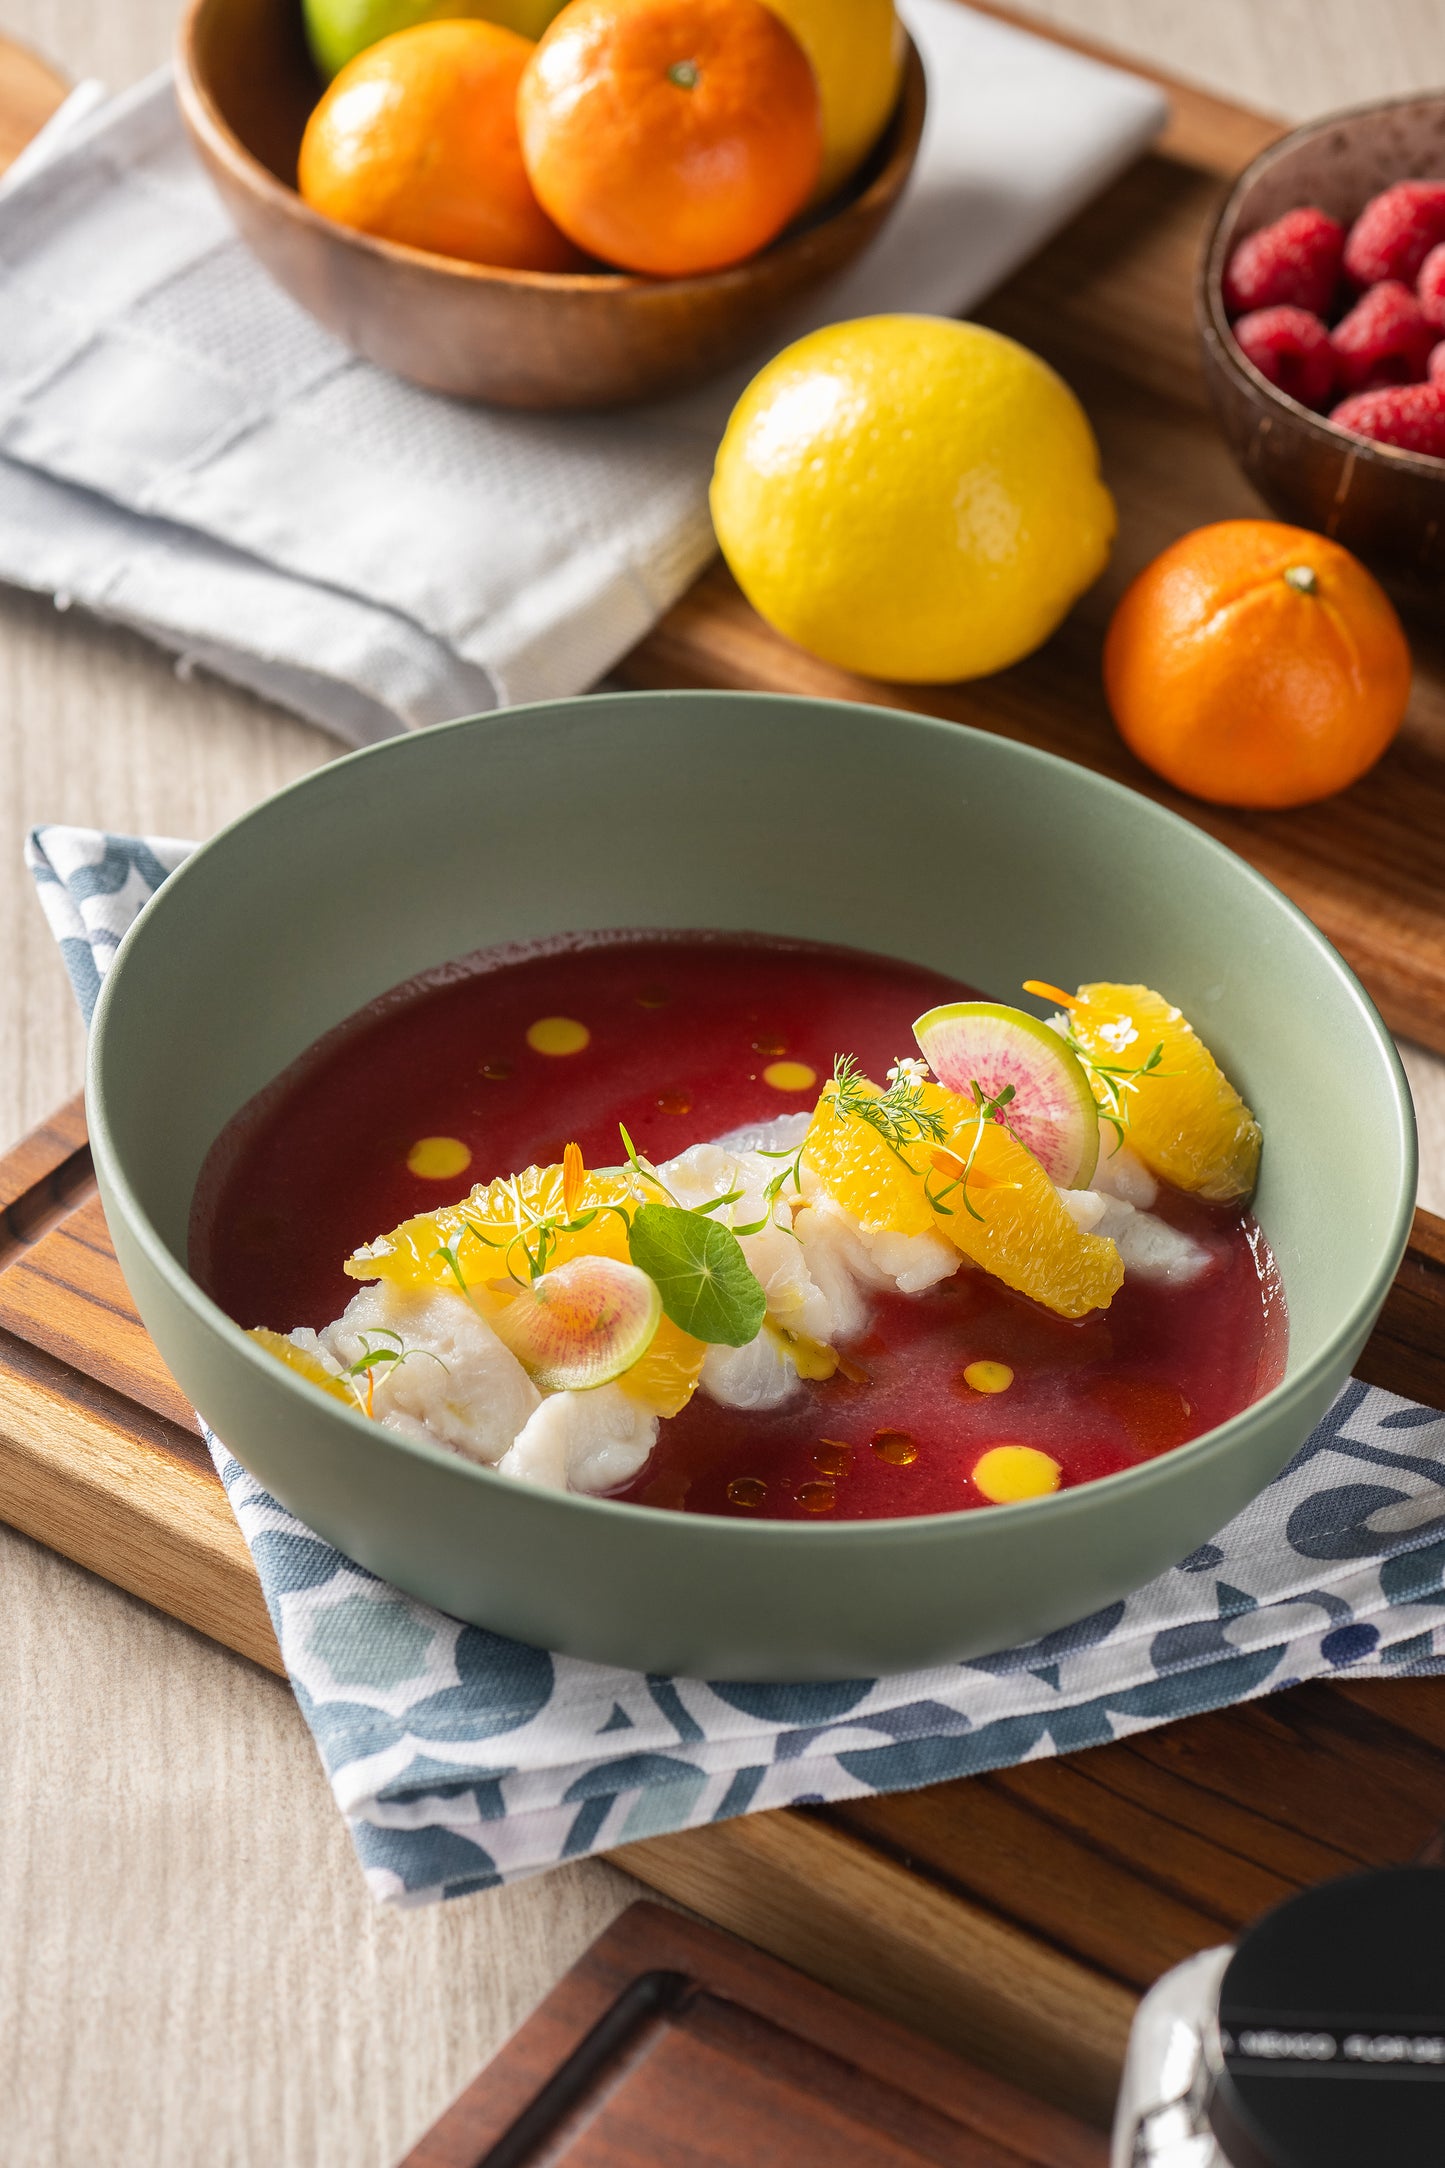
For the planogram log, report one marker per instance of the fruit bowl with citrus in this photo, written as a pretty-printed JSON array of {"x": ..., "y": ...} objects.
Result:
[{"x": 554, "y": 206}]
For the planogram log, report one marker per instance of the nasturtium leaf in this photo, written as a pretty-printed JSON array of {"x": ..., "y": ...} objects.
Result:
[{"x": 706, "y": 1284}]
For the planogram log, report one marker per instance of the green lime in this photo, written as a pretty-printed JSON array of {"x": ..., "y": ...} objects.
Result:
[{"x": 337, "y": 30}]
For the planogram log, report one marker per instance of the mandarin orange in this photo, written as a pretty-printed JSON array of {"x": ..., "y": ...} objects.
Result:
[
  {"x": 671, "y": 136},
  {"x": 1254, "y": 664},
  {"x": 416, "y": 141}
]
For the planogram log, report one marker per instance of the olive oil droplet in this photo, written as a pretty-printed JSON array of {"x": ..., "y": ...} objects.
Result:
[
  {"x": 674, "y": 1102},
  {"x": 747, "y": 1490},
  {"x": 497, "y": 1071},
  {"x": 897, "y": 1447},
  {"x": 832, "y": 1456},
  {"x": 438, "y": 1159},
  {"x": 770, "y": 1047},
  {"x": 558, "y": 1035},
  {"x": 817, "y": 1497},
  {"x": 988, "y": 1377}
]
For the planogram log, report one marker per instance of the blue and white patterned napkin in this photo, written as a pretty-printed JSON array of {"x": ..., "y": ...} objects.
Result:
[{"x": 461, "y": 1760}]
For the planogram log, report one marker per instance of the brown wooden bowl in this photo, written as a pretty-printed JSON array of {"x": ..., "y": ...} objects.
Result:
[
  {"x": 1386, "y": 504},
  {"x": 516, "y": 338}
]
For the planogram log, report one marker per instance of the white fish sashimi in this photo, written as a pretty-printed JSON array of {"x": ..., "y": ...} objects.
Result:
[
  {"x": 1150, "y": 1247},
  {"x": 312, "y": 1344},
  {"x": 759, "y": 1375},
  {"x": 458, "y": 1382},
  {"x": 784, "y": 1133},
  {"x": 847, "y": 1262},
  {"x": 1122, "y": 1173},
  {"x": 592, "y": 1442}
]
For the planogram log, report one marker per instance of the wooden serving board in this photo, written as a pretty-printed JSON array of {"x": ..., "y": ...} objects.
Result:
[
  {"x": 1110, "y": 304},
  {"x": 668, "y": 2042},
  {"x": 1015, "y": 1915}
]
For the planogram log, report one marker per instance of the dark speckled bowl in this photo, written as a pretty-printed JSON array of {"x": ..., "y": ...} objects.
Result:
[{"x": 1386, "y": 504}]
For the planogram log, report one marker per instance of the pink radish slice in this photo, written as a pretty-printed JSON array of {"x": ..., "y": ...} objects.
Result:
[
  {"x": 582, "y": 1324},
  {"x": 987, "y": 1044}
]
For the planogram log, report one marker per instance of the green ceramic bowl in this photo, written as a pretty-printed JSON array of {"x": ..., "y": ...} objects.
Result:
[{"x": 826, "y": 821}]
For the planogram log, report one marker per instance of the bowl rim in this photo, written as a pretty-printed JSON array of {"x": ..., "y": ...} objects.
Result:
[
  {"x": 1213, "y": 318},
  {"x": 898, "y": 140},
  {"x": 719, "y": 1531}
]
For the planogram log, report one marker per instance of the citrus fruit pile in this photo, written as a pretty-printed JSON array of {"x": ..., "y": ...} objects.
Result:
[
  {"x": 667, "y": 137},
  {"x": 1255, "y": 664}
]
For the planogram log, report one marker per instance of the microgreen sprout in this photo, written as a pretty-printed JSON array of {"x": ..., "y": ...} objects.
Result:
[
  {"x": 1116, "y": 1082},
  {"x": 898, "y": 1115},
  {"x": 375, "y": 1358},
  {"x": 959, "y": 1170},
  {"x": 529, "y": 1246}
]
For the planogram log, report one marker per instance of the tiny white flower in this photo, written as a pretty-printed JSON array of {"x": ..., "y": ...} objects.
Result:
[
  {"x": 1120, "y": 1034},
  {"x": 908, "y": 1071}
]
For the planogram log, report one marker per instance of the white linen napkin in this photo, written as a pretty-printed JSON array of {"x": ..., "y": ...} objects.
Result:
[{"x": 182, "y": 449}]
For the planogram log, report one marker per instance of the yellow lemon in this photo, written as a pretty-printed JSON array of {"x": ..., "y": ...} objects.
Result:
[
  {"x": 911, "y": 498},
  {"x": 337, "y": 30},
  {"x": 856, "y": 47}
]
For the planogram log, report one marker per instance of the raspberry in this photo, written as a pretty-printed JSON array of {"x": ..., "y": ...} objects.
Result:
[
  {"x": 1395, "y": 232},
  {"x": 1384, "y": 339},
  {"x": 1292, "y": 348},
  {"x": 1294, "y": 261},
  {"x": 1435, "y": 370},
  {"x": 1410, "y": 416},
  {"x": 1430, "y": 287}
]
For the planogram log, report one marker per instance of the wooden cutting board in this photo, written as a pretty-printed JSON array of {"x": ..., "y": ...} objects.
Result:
[
  {"x": 668, "y": 2042},
  {"x": 1018, "y": 1915},
  {"x": 1015, "y": 1915}
]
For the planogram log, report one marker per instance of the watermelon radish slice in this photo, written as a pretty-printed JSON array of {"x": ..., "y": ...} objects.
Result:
[
  {"x": 1052, "y": 1110},
  {"x": 582, "y": 1324}
]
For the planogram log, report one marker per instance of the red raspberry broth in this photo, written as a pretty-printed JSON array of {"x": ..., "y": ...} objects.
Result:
[
  {"x": 682, "y": 1028},
  {"x": 1100, "y": 1394}
]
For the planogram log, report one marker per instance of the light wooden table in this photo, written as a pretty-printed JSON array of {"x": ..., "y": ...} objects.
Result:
[{"x": 190, "y": 1970}]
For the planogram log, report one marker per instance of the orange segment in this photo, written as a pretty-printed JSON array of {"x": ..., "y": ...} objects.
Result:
[
  {"x": 1186, "y": 1121},
  {"x": 880, "y": 1187},
  {"x": 484, "y": 1234},
  {"x": 1023, "y": 1235},
  {"x": 303, "y": 1363},
  {"x": 666, "y": 1377}
]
